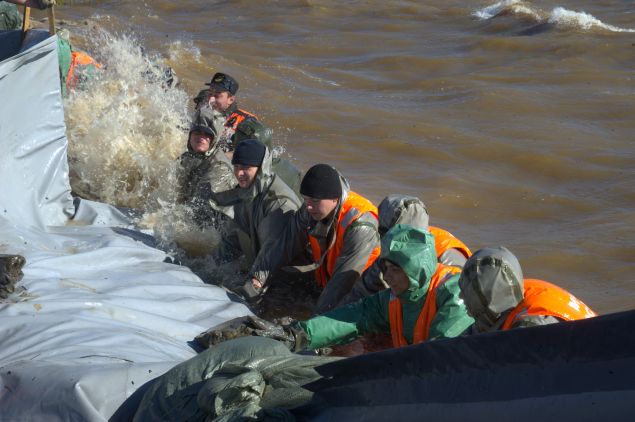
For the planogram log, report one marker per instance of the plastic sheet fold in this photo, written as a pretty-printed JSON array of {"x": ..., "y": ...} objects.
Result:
[{"x": 99, "y": 311}]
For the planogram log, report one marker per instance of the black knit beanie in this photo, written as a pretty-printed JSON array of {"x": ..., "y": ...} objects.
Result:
[
  {"x": 321, "y": 182},
  {"x": 249, "y": 152}
]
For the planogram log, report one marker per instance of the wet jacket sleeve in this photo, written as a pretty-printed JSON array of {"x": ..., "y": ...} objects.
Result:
[
  {"x": 451, "y": 319},
  {"x": 360, "y": 239},
  {"x": 269, "y": 230},
  {"x": 291, "y": 242},
  {"x": 346, "y": 323}
]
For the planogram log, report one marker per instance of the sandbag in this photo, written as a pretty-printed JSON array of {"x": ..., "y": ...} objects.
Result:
[{"x": 250, "y": 377}]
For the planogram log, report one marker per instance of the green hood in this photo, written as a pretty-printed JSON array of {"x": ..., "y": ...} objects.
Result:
[{"x": 413, "y": 250}]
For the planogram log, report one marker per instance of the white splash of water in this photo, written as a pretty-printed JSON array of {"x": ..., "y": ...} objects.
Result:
[
  {"x": 180, "y": 51},
  {"x": 175, "y": 230},
  {"x": 563, "y": 17},
  {"x": 125, "y": 129}
]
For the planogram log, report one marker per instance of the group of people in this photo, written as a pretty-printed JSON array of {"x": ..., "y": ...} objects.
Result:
[{"x": 380, "y": 269}]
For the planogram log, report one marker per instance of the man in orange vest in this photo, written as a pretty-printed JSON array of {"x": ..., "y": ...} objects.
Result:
[
  {"x": 219, "y": 106},
  {"x": 498, "y": 298},
  {"x": 341, "y": 228},
  {"x": 421, "y": 304},
  {"x": 403, "y": 209}
]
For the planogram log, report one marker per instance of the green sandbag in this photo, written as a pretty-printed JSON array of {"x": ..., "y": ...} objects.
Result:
[
  {"x": 250, "y": 377},
  {"x": 10, "y": 17}
]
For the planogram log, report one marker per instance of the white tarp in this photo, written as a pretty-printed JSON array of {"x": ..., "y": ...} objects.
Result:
[{"x": 98, "y": 312}]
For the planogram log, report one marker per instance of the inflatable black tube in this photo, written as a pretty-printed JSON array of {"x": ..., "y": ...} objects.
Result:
[{"x": 582, "y": 370}]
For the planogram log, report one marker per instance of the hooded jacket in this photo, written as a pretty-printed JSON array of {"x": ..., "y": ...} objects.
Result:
[
  {"x": 201, "y": 177},
  {"x": 360, "y": 239},
  {"x": 404, "y": 209},
  {"x": 261, "y": 213},
  {"x": 413, "y": 250}
]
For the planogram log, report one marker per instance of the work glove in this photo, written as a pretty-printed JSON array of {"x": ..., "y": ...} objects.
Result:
[
  {"x": 10, "y": 273},
  {"x": 44, "y": 4},
  {"x": 248, "y": 292},
  {"x": 292, "y": 335}
]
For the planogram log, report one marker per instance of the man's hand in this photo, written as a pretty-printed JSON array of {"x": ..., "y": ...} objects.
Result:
[{"x": 291, "y": 335}]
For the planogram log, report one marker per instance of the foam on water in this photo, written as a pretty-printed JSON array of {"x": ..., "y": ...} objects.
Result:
[
  {"x": 515, "y": 7},
  {"x": 559, "y": 16},
  {"x": 581, "y": 20}
]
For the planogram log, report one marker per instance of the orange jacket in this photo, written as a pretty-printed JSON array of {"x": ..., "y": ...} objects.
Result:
[
  {"x": 78, "y": 59},
  {"x": 543, "y": 298},
  {"x": 444, "y": 240},
  {"x": 429, "y": 310},
  {"x": 236, "y": 117},
  {"x": 353, "y": 207}
]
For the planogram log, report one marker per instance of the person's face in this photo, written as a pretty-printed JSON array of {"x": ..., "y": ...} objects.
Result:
[
  {"x": 396, "y": 278},
  {"x": 221, "y": 100},
  {"x": 319, "y": 209},
  {"x": 200, "y": 141},
  {"x": 245, "y": 175}
]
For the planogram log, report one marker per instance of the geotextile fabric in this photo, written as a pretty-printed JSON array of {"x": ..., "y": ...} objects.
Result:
[{"x": 99, "y": 311}]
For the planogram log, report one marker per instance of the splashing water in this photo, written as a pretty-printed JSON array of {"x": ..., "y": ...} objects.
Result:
[
  {"x": 125, "y": 133},
  {"x": 125, "y": 129}
]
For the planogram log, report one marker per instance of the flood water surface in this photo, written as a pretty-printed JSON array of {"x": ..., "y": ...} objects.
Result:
[{"x": 513, "y": 121}]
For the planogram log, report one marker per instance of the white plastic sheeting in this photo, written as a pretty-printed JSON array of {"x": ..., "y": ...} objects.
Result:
[{"x": 98, "y": 312}]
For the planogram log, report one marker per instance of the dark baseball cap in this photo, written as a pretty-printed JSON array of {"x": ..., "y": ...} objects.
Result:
[{"x": 223, "y": 82}]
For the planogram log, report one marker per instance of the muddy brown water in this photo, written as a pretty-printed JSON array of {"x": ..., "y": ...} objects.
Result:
[{"x": 513, "y": 121}]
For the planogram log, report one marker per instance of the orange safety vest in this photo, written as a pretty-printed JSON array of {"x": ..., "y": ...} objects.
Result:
[
  {"x": 429, "y": 310},
  {"x": 543, "y": 298},
  {"x": 237, "y": 117},
  {"x": 444, "y": 240},
  {"x": 78, "y": 58},
  {"x": 353, "y": 207}
]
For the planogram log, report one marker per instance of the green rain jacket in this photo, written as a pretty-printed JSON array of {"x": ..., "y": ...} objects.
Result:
[{"x": 413, "y": 250}]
